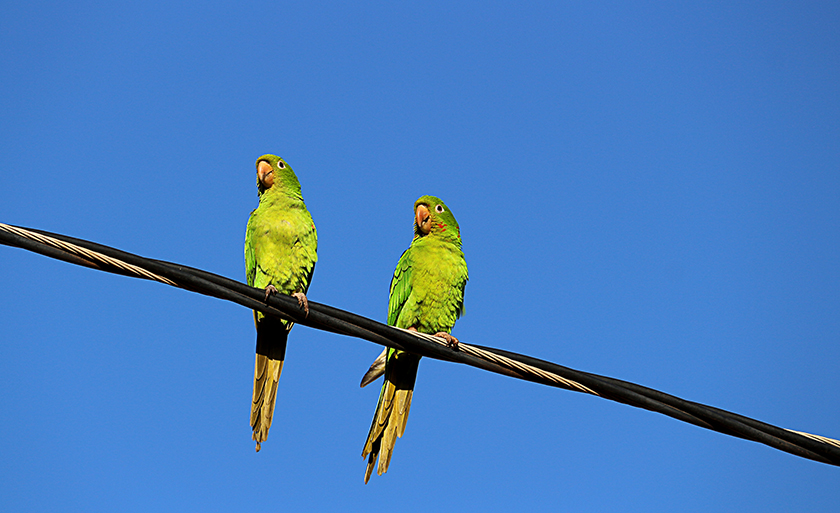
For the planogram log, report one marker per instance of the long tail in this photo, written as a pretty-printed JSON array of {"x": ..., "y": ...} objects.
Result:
[
  {"x": 272, "y": 335},
  {"x": 392, "y": 409}
]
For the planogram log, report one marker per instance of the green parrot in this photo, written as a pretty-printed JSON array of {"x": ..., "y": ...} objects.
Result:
[
  {"x": 427, "y": 295},
  {"x": 280, "y": 254}
]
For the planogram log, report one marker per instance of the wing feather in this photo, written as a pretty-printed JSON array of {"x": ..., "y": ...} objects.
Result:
[{"x": 400, "y": 287}]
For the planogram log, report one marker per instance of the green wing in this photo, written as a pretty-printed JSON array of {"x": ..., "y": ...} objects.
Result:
[
  {"x": 400, "y": 287},
  {"x": 250, "y": 258}
]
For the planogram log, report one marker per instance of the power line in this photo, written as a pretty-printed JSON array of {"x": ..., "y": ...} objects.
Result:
[{"x": 325, "y": 317}]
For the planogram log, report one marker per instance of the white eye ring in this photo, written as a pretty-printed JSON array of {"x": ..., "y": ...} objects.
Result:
[
  {"x": 280, "y": 164},
  {"x": 439, "y": 209}
]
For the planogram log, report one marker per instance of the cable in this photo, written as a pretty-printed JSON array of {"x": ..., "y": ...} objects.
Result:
[{"x": 325, "y": 317}]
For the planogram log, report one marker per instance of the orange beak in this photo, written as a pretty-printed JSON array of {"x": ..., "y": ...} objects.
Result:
[
  {"x": 265, "y": 174},
  {"x": 423, "y": 219}
]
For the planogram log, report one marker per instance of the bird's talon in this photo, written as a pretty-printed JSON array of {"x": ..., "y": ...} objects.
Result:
[
  {"x": 302, "y": 302},
  {"x": 451, "y": 341},
  {"x": 269, "y": 291}
]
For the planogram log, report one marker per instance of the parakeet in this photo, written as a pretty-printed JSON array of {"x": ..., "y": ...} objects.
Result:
[
  {"x": 280, "y": 254},
  {"x": 427, "y": 295}
]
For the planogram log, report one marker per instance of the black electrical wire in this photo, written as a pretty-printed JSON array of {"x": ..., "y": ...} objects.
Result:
[{"x": 332, "y": 319}]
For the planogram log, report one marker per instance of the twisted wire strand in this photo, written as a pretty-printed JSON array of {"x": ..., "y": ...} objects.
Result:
[
  {"x": 91, "y": 256},
  {"x": 560, "y": 381},
  {"x": 823, "y": 439}
]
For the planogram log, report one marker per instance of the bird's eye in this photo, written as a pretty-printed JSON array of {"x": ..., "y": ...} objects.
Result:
[
  {"x": 280, "y": 164},
  {"x": 439, "y": 209}
]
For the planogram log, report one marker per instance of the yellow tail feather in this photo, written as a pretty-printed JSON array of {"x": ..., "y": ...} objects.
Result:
[
  {"x": 272, "y": 335},
  {"x": 391, "y": 416},
  {"x": 266, "y": 378}
]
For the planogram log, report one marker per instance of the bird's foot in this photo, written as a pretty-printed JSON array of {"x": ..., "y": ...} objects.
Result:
[
  {"x": 269, "y": 291},
  {"x": 302, "y": 302},
  {"x": 451, "y": 341}
]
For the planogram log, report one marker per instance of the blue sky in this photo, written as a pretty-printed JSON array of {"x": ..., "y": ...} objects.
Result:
[{"x": 647, "y": 191}]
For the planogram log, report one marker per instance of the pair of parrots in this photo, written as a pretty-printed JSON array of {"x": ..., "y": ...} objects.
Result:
[{"x": 427, "y": 295}]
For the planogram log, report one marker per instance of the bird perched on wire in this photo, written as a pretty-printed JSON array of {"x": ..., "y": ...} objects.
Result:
[
  {"x": 280, "y": 253},
  {"x": 427, "y": 295}
]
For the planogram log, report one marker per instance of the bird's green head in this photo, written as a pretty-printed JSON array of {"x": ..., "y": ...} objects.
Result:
[
  {"x": 432, "y": 218},
  {"x": 273, "y": 174}
]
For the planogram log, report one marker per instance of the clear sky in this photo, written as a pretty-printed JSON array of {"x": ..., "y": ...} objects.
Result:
[{"x": 645, "y": 190}]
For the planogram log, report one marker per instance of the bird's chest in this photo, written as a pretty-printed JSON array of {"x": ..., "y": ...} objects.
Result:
[
  {"x": 435, "y": 275},
  {"x": 436, "y": 292},
  {"x": 437, "y": 265},
  {"x": 278, "y": 229},
  {"x": 280, "y": 254}
]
